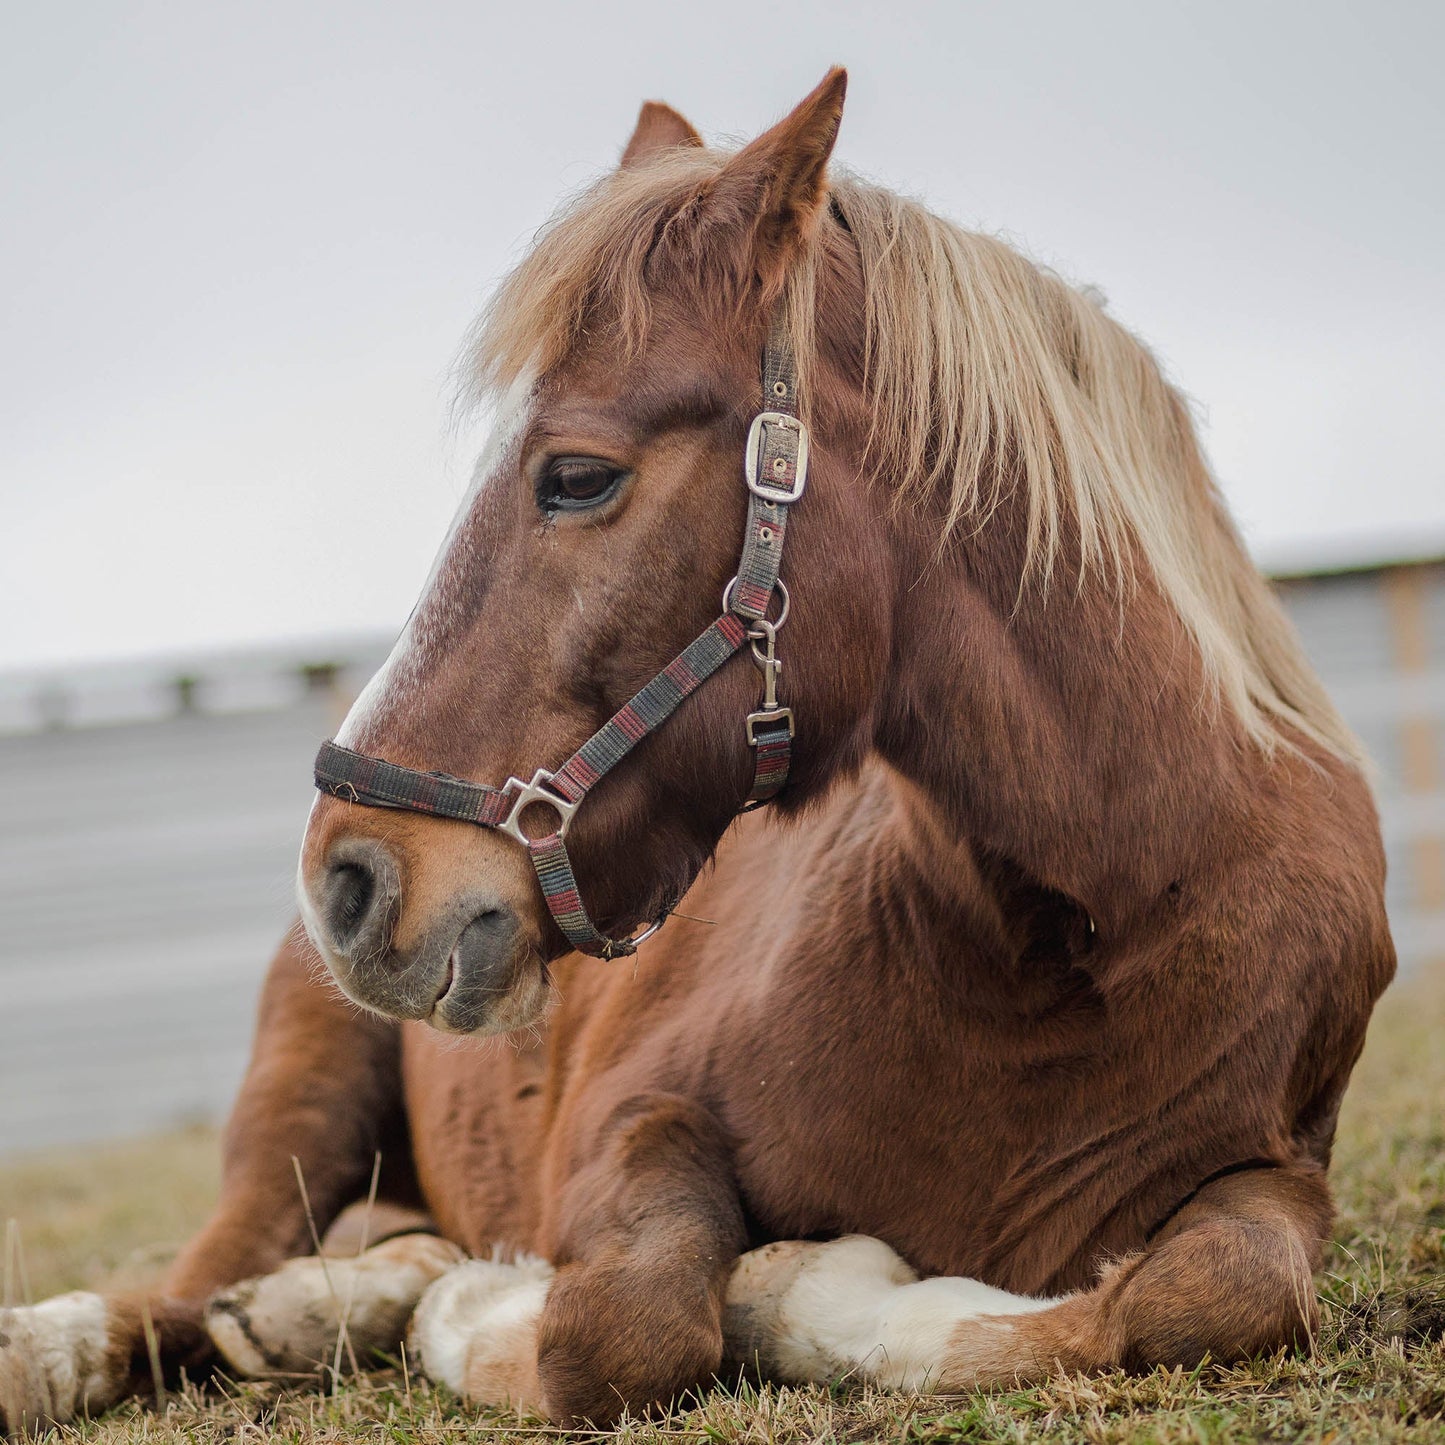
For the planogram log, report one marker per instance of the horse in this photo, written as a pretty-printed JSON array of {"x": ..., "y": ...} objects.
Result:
[{"x": 1008, "y": 1039}]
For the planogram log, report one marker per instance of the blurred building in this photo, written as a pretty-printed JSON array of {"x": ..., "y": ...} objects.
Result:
[{"x": 1377, "y": 636}]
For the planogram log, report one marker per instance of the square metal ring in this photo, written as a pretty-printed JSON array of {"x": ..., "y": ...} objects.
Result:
[{"x": 536, "y": 791}]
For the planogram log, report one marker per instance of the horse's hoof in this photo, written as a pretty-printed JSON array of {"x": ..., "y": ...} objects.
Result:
[
  {"x": 290, "y": 1322},
  {"x": 475, "y": 1330},
  {"x": 58, "y": 1360}
]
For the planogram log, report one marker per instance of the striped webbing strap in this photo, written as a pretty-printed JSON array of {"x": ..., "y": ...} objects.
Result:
[
  {"x": 776, "y": 470},
  {"x": 357, "y": 778}
]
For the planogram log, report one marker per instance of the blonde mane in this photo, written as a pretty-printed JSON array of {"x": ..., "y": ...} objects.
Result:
[{"x": 985, "y": 371}]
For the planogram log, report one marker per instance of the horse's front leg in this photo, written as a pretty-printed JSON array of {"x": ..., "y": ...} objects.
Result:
[
  {"x": 323, "y": 1087},
  {"x": 648, "y": 1231},
  {"x": 1229, "y": 1277}
]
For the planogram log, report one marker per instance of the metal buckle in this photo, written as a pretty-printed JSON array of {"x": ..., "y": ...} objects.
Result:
[
  {"x": 536, "y": 791},
  {"x": 768, "y": 715},
  {"x": 753, "y": 455}
]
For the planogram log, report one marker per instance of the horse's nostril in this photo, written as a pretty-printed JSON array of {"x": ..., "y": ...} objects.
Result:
[
  {"x": 482, "y": 969},
  {"x": 353, "y": 886},
  {"x": 486, "y": 939},
  {"x": 359, "y": 897}
]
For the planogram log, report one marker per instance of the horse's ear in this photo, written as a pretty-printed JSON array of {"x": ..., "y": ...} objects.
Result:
[
  {"x": 776, "y": 186},
  {"x": 659, "y": 128}
]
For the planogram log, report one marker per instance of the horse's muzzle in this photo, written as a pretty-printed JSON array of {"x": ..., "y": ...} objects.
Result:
[{"x": 470, "y": 971}]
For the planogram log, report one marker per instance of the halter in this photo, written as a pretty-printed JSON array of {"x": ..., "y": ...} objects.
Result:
[{"x": 775, "y": 468}]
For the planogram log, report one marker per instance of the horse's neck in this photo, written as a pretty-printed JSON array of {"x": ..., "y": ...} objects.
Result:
[{"x": 1052, "y": 731}]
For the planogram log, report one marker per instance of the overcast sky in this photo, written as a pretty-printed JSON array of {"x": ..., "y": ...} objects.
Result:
[{"x": 239, "y": 245}]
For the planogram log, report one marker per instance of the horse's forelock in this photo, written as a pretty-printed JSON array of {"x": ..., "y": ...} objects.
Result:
[{"x": 591, "y": 259}]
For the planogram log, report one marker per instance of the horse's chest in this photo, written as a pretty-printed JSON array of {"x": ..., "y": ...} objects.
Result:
[
  {"x": 815, "y": 1165},
  {"x": 923, "y": 1132}
]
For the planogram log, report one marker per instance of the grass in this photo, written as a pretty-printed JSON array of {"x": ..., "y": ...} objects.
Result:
[{"x": 1377, "y": 1372}]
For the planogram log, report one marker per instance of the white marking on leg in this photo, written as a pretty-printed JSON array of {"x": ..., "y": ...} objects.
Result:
[
  {"x": 919, "y": 1321},
  {"x": 288, "y": 1322},
  {"x": 812, "y": 1312},
  {"x": 56, "y": 1361},
  {"x": 475, "y": 1330}
]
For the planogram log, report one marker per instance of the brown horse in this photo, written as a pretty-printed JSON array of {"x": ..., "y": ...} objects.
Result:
[{"x": 1010, "y": 1040}]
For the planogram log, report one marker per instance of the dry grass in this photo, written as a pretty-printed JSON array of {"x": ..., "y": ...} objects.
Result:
[
  {"x": 113, "y": 1214},
  {"x": 1377, "y": 1374}
]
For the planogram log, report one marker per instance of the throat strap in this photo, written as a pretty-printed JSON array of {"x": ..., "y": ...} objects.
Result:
[{"x": 775, "y": 469}]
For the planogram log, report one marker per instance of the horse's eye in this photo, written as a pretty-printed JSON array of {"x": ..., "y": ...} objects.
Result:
[{"x": 569, "y": 484}]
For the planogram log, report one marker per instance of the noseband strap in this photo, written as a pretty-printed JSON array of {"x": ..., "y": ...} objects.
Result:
[{"x": 775, "y": 468}]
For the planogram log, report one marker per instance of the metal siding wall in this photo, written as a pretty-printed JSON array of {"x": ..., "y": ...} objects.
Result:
[{"x": 1378, "y": 641}]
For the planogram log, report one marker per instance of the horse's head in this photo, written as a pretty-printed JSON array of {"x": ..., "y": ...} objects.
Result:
[{"x": 607, "y": 518}]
